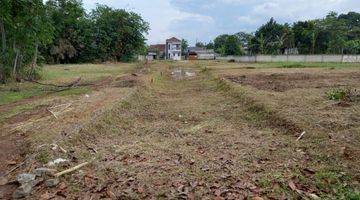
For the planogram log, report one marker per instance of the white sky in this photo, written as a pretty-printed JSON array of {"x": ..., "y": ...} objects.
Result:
[{"x": 203, "y": 20}]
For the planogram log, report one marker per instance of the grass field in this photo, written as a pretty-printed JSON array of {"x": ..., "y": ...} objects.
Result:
[
  {"x": 192, "y": 130},
  {"x": 59, "y": 74}
]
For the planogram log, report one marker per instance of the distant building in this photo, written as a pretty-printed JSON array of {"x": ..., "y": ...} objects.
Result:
[
  {"x": 199, "y": 53},
  {"x": 173, "y": 49},
  {"x": 156, "y": 52}
]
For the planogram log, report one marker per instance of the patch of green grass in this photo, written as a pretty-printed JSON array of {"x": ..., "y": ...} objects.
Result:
[
  {"x": 23, "y": 91},
  {"x": 60, "y": 74},
  {"x": 334, "y": 183},
  {"x": 9, "y": 113},
  {"x": 88, "y": 72},
  {"x": 263, "y": 182},
  {"x": 43, "y": 157},
  {"x": 304, "y": 65}
]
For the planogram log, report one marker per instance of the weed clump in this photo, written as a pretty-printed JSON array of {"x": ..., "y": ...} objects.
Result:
[{"x": 339, "y": 94}]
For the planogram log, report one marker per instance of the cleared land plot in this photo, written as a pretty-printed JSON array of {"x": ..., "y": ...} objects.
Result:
[{"x": 185, "y": 130}]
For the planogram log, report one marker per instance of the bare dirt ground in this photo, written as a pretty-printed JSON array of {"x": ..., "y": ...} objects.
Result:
[
  {"x": 283, "y": 80},
  {"x": 181, "y": 132}
]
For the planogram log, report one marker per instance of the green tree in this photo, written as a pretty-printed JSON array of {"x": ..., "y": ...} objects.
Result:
[
  {"x": 184, "y": 46},
  {"x": 232, "y": 46},
  {"x": 66, "y": 16},
  {"x": 352, "y": 22},
  {"x": 219, "y": 44},
  {"x": 337, "y": 31},
  {"x": 352, "y": 47},
  {"x": 200, "y": 44},
  {"x": 306, "y": 35},
  {"x": 209, "y": 45},
  {"x": 23, "y": 28},
  {"x": 269, "y": 38},
  {"x": 119, "y": 34},
  {"x": 244, "y": 38}
]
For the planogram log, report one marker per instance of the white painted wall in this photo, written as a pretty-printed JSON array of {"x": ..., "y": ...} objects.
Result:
[
  {"x": 173, "y": 52},
  {"x": 295, "y": 58}
]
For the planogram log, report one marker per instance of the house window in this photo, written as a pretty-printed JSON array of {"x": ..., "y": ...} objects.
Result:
[{"x": 169, "y": 46}]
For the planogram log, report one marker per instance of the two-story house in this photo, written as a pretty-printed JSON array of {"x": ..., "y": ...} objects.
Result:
[{"x": 173, "y": 49}]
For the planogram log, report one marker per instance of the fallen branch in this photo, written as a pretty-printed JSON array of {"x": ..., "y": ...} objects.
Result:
[
  {"x": 71, "y": 169},
  {"x": 61, "y": 105},
  {"x": 302, "y": 134},
  {"x": 52, "y": 113},
  {"x": 72, "y": 84}
]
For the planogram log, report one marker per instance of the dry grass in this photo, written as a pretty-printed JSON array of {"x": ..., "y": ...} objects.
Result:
[{"x": 205, "y": 137}]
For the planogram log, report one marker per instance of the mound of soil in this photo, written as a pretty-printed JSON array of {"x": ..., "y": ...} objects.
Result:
[{"x": 281, "y": 82}]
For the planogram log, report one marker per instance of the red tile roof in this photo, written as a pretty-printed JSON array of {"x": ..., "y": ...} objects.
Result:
[
  {"x": 173, "y": 39},
  {"x": 159, "y": 47}
]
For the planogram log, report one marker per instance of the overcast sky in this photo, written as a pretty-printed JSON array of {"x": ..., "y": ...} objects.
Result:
[{"x": 203, "y": 20}]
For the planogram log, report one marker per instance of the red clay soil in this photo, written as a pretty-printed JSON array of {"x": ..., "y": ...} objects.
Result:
[
  {"x": 286, "y": 81},
  {"x": 12, "y": 151}
]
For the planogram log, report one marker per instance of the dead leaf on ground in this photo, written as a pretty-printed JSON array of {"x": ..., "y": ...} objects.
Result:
[
  {"x": 62, "y": 186},
  {"x": 3, "y": 181},
  {"x": 110, "y": 194},
  {"x": 308, "y": 172},
  {"x": 258, "y": 198},
  {"x": 11, "y": 162},
  {"x": 219, "y": 198},
  {"x": 292, "y": 185},
  {"x": 141, "y": 189},
  {"x": 47, "y": 196},
  {"x": 88, "y": 181},
  {"x": 217, "y": 192},
  {"x": 191, "y": 196}
]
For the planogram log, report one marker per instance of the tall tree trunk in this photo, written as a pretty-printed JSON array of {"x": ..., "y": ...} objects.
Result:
[
  {"x": 3, "y": 36},
  {"x": 3, "y": 48},
  {"x": 34, "y": 61},
  {"x": 16, "y": 58}
]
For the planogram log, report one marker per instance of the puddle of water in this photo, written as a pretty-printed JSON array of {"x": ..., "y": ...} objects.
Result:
[{"x": 181, "y": 73}]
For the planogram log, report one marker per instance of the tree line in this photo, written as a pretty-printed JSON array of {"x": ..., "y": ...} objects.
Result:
[
  {"x": 61, "y": 31},
  {"x": 334, "y": 34}
]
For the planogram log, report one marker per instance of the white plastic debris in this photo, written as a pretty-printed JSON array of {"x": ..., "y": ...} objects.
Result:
[
  {"x": 56, "y": 161},
  {"x": 189, "y": 74}
]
